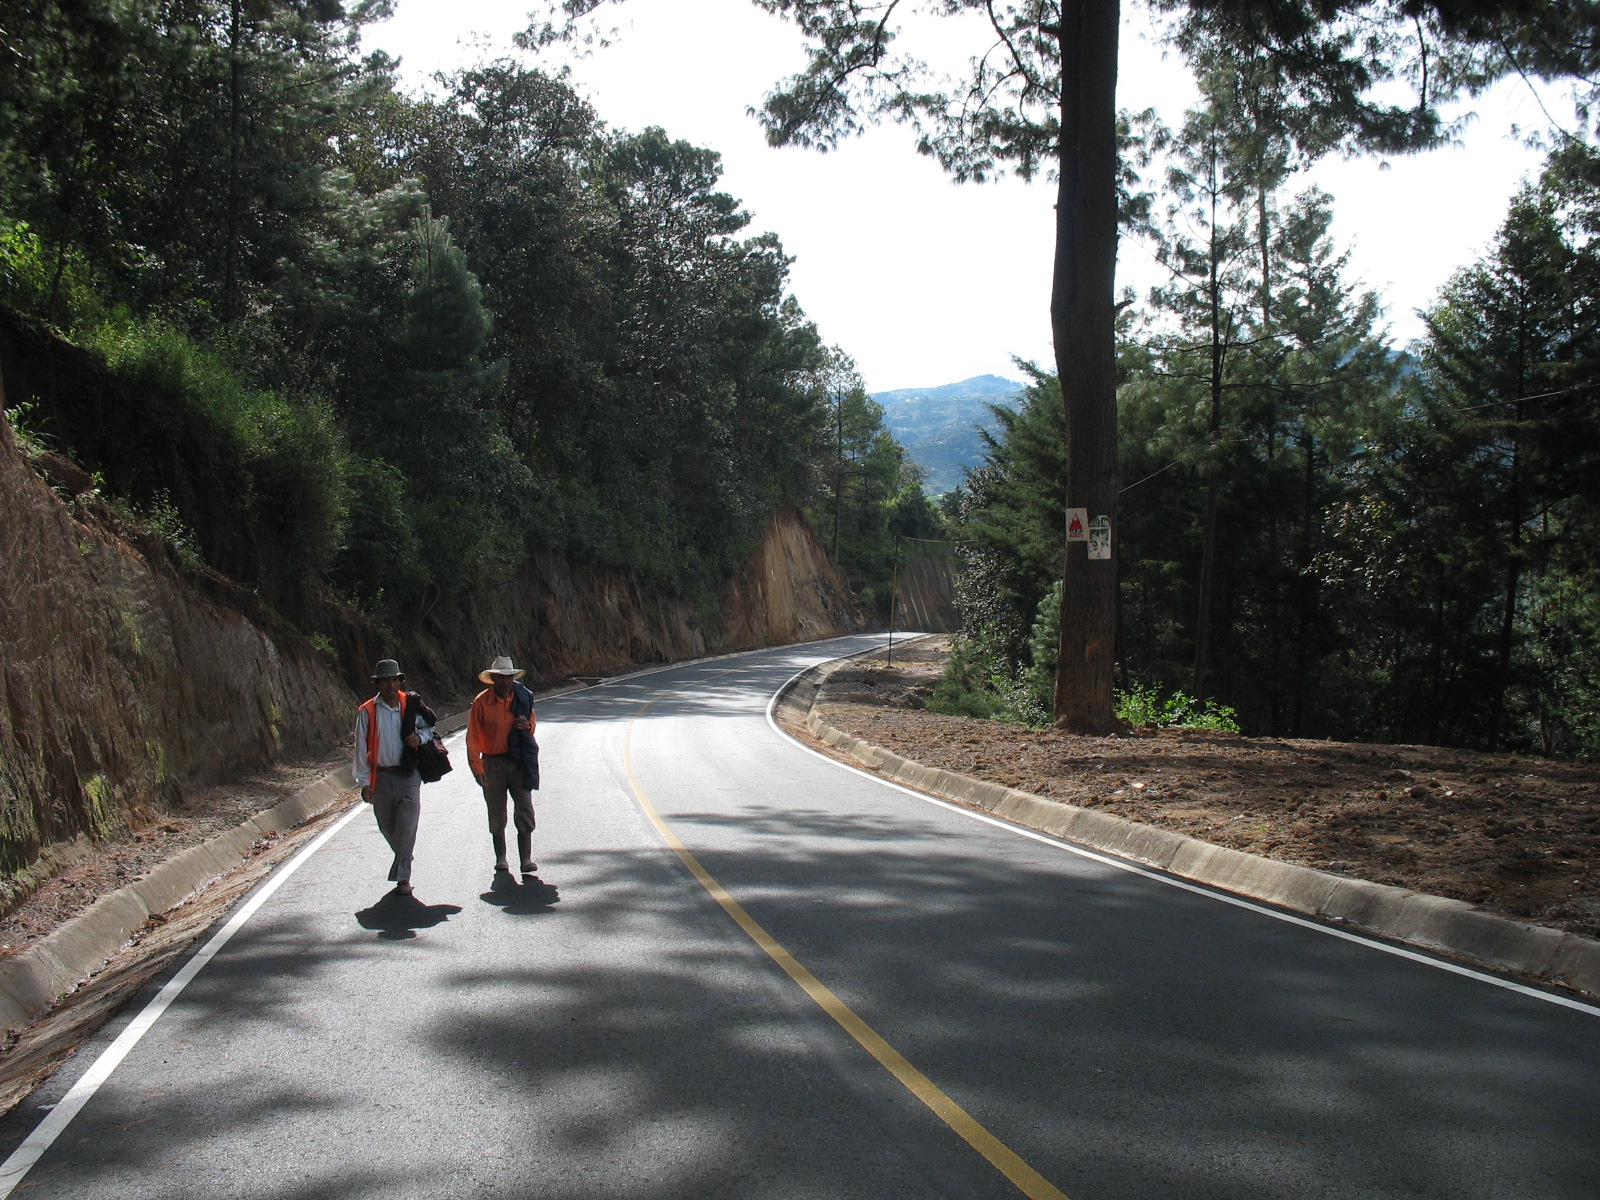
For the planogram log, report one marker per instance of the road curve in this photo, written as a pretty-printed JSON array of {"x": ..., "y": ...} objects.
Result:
[{"x": 989, "y": 1013}]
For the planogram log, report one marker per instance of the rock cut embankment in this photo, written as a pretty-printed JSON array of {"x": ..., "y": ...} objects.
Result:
[{"x": 123, "y": 683}]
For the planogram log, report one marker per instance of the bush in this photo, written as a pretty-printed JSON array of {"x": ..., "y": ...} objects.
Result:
[
  {"x": 34, "y": 280},
  {"x": 284, "y": 462},
  {"x": 978, "y": 682},
  {"x": 381, "y": 567},
  {"x": 1143, "y": 705}
]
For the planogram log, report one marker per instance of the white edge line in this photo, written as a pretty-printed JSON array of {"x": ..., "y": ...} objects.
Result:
[
  {"x": 1159, "y": 877},
  {"x": 32, "y": 1149}
]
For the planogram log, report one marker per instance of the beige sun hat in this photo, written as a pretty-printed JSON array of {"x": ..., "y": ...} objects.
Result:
[{"x": 500, "y": 666}]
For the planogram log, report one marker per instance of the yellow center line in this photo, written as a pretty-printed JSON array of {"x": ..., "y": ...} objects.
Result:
[{"x": 1027, "y": 1180}]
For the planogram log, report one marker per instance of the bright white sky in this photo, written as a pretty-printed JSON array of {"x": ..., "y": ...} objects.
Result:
[{"x": 920, "y": 280}]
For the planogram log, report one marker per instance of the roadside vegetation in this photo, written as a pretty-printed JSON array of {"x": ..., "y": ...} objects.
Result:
[
  {"x": 404, "y": 342},
  {"x": 1322, "y": 534}
]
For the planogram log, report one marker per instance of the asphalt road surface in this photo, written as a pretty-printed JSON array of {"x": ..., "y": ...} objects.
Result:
[{"x": 831, "y": 989}]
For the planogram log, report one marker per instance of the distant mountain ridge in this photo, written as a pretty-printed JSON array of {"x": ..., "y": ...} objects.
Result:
[{"x": 938, "y": 425}]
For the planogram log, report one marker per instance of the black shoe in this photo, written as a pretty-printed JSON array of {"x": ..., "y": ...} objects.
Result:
[
  {"x": 528, "y": 868},
  {"x": 502, "y": 865},
  {"x": 404, "y": 888}
]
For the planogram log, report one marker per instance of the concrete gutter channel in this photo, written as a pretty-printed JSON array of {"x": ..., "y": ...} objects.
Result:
[
  {"x": 1453, "y": 927},
  {"x": 34, "y": 979}
]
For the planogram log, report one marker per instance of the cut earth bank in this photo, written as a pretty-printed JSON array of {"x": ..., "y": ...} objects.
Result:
[
  {"x": 134, "y": 673},
  {"x": 1515, "y": 837}
]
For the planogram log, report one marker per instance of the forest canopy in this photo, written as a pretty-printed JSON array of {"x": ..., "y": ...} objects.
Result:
[
  {"x": 1324, "y": 532},
  {"x": 406, "y": 341}
]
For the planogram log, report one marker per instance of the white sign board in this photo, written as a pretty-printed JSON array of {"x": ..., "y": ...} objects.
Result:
[
  {"x": 1077, "y": 524},
  {"x": 1100, "y": 537}
]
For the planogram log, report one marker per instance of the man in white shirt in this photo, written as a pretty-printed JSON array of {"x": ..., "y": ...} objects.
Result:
[{"x": 389, "y": 727}]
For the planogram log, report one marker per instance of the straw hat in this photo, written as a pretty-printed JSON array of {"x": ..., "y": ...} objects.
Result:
[{"x": 500, "y": 666}]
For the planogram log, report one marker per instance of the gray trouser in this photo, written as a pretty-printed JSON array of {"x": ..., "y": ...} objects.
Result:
[
  {"x": 501, "y": 775},
  {"x": 397, "y": 803}
]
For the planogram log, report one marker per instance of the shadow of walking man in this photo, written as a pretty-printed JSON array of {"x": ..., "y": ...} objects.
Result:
[
  {"x": 523, "y": 899},
  {"x": 397, "y": 917}
]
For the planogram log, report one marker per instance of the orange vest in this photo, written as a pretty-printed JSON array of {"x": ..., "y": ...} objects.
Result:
[{"x": 371, "y": 709}]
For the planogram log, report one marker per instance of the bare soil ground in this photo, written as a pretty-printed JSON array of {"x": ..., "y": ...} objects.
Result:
[{"x": 1517, "y": 836}]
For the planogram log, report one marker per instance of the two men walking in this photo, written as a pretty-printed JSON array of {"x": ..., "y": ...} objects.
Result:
[{"x": 501, "y": 751}]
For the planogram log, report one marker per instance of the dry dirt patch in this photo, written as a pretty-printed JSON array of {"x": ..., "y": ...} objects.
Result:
[{"x": 1517, "y": 836}]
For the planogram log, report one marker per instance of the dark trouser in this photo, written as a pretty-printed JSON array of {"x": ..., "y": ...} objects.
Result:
[
  {"x": 397, "y": 803},
  {"x": 502, "y": 775}
]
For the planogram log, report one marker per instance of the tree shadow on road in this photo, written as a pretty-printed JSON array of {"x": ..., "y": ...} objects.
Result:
[{"x": 397, "y": 918}]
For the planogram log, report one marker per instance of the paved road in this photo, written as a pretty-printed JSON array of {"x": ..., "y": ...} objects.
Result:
[{"x": 1096, "y": 1033}]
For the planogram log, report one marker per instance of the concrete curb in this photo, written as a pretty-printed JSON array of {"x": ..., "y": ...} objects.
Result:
[
  {"x": 31, "y": 981},
  {"x": 1434, "y": 922}
]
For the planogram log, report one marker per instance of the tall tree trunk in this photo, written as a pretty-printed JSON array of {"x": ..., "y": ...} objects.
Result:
[
  {"x": 1208, "y": 554},
  {"x": 1305, "y": 581},
  {"x": 1513, "y": 586},
  {"x": 1276, "y": 600},
  {"x": 230, "y": 268},
  {"x": 838, "y": 474},
  {"x": 1082, "y": 322}
]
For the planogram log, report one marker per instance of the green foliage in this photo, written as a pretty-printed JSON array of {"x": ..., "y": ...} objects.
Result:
[
  {"x": 1469, "y": 551},
  {"x": 325, "y": 648},
  {"x": 981, "y": 681},
  {"x": 382, "y": 567},
  {"x": 1007, "y": 519},
  {"x": 287, "y": 457},
  {"x": 403, "y": 342},
  {"x": 35, "y": 281},
  {"x": 30, "y": 439},
  {"x": 161, "y": 518},
  {"x": 1396, "y": 548},
  {"x": 1143, "y": 705},
  {"x": 868, "y": 496},
  {"x": 975, "y": 683}
]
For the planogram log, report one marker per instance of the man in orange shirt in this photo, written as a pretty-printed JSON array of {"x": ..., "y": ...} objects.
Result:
[{"x": 505, "y": 758}]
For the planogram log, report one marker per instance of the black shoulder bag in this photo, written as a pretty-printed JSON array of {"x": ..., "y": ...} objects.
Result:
[{"x": 432, "y": 757}]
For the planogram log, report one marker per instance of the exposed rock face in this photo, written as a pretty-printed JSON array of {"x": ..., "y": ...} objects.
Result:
[
  {"x": 122, "y": 682},
  {"x": 558, "y": 619}
]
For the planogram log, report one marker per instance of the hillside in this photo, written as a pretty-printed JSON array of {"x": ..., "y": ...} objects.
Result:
[{"x": 938, "y": 426}]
